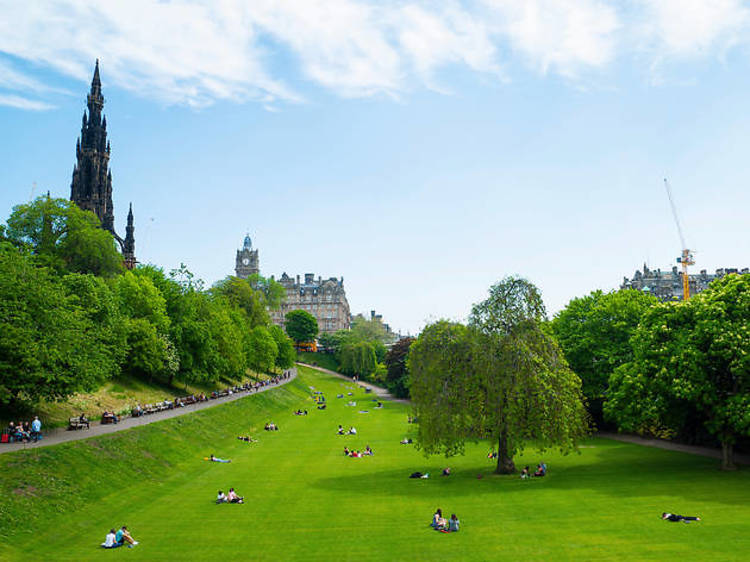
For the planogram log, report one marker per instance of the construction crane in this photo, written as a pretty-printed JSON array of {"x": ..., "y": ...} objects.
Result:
[{"x": 686, "y": 258}]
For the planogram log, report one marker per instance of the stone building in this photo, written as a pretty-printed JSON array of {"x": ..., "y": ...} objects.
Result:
[
  {"x": 247, "y": 261},
  {"x": 323, "y": 298},
  {"x": 91, "y": 187},
  {"x": 667, "y": 285}
]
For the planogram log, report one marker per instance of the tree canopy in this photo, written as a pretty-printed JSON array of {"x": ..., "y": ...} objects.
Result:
[
  {"x": 64, "y": 237},
  {"x": 594, "y": 333},
  {"x": 690, "y": 354},
  {"x": 502, "y": 378},
  {"x": 301, "y": 326}
]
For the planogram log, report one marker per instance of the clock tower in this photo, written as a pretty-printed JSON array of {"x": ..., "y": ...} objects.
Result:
[{"x": 247, "y": 260}]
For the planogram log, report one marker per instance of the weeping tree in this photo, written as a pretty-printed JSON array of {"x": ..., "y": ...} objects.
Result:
[{"x": 501, "y": 378}]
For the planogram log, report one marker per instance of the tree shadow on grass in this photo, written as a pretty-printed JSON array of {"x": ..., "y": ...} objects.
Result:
[{"x": 624, "y": 473}]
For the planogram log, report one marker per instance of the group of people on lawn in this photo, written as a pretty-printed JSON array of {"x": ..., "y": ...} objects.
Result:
[
  {"x": 119, "y": 538},
  {"x": 440, "y": 523},
  {"x": 230, "y": 497},
  {"x": 352, "y": 431},
  {"x": 541, "y": 470},
  {"x": 358, "y": 454}
]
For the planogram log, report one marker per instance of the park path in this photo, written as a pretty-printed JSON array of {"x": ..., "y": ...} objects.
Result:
[
  {"x": 671, "y": 446},
  {"x": 634, "y": 439},
  {"x": 379, "y": 391},
  {"x": 61, "y": 435}
]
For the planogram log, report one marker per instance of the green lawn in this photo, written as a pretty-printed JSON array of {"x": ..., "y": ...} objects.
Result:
[{"x": 306, "y": 501}]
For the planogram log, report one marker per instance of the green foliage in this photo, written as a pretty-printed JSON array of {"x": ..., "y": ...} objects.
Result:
[
  {"x": 358, "y": 358},
  {"x": 512, "y": 302},
  {"x": 502, "y": 378},
  {"x": 64, "y": 237},
  {"x": 690, "y": 354},
  {"x": 273, "y": 292},
  {"x": 50, "y": 345},
  {"x": 239, "y": 293},
  {"x": 369, "y": 330},
  {"x": 594, "y": 333},
  {"x": 301, "y": 326},
  {"x": 287, "y": 355},
  {"x": 397, "y": 377},
  {"x": 263, "y": 349}
]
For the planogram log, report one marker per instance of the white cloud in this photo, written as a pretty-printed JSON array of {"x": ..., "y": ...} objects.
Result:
[
  {"x": 688, "y": 28},
  {"x": 197, "y": 51},
  {"x": 19, "y": 102}
]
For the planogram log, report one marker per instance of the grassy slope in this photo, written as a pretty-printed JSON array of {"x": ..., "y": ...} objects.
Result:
[
  {"x": 118, "y": 394},
  {"x": 325, "y": 360},
  {"x": 306, "y": 501}
]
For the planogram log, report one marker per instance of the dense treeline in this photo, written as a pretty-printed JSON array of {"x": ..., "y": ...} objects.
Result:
[
  {"x": 72, "y": 317},
  {"x": 361, "y": 350}
]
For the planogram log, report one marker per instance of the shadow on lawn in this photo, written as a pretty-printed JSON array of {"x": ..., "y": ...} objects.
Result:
[{"x": 618, "y": 471}]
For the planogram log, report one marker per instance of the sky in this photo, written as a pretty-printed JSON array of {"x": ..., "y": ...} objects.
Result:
[{"x": 420, "y": 150}]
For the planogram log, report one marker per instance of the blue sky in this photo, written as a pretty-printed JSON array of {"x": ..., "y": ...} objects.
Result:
[{"x": 420, "y": 150}]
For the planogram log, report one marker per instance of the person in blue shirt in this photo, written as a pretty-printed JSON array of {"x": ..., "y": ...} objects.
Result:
[
  {"x": 36, "y": 429},
  {"x": 453, "y": 523}
]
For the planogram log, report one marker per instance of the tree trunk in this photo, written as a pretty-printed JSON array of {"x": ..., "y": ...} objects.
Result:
[
  {"x": 504, "y": 459},
  {"x": 727, "y": 455}
]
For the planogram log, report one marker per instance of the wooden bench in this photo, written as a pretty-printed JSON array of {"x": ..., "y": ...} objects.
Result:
[{"x": 76, "y": 423}]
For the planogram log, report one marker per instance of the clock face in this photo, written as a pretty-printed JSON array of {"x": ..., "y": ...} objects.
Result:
[{"x": 245, "y": 261}]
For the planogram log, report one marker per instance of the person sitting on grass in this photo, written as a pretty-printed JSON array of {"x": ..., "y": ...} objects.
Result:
[
  {"x": 675, "y": 518},
  {"x": 438, "y": 521},
  {"x": 380, "y": 405},
  {"x": 541, "y": 470},
  {"x": 110, "y": 540},
  {"x": 347, "y": 452},
  {"x": 447, "y": 471},
  {"x": 340, "y": 430},
  {"x": 368, "y": 451},
  {"x": 525, "y": 473},
  {"x": 352, "y": 431},
  {"x": 453, "y": 523},
  {"x": 221, "y": 497},
  {"x": 492, "y": 455},
  {"x": 233, "y": 497},
  {"x": 213, "y": 458},
  {"x": 123, "y": 536}
]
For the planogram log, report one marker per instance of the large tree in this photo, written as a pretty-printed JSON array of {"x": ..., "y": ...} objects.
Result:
[
  {"x": 690, "y": 354},
  {"x": 57, "y": 336},
  {"x": 65, "y": 237},
  {"x": 594, "y": 333},
  {"x": 301, "y": 326},
  {"x": 502, "y": 378}
]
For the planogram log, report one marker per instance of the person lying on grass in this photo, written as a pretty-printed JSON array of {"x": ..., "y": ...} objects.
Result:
[
  {"x": 300, "y": 413},
  {"x": 247, "y": 438},
  {"x": 419, "y": 475},
  {"x": 212, "y": 458},
  {"x": 674, "y": 518},
  {"x": 406, "y": 441},
  {"x": 233, "y": 497}
]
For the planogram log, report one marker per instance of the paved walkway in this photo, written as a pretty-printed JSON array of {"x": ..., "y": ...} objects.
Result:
[
  {"x": 61, "y": 435},
  {"x": 671, "y": 446}
]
